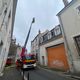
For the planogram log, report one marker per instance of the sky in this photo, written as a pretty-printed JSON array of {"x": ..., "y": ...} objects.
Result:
[{"x": 44, "y": 12}]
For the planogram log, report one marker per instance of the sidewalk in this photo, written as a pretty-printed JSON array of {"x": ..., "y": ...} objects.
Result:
[
  {"x": 11, "y": 74},
  {"x": 72, "y": 75}
]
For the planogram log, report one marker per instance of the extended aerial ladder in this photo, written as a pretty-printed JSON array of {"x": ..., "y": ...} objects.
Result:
[
  {"x": 22, "y": 54},
  {"x": 33, "y": 20},
  {"x": 24, "y": 47}
]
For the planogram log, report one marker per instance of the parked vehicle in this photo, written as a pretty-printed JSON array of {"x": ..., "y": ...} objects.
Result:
[
  {"x": 28, "y": 61},
  {"x": 8, "y": 61}
]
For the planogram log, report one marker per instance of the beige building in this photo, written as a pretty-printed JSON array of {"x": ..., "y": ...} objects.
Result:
[
  {"x": 7, "y": 16},
  {"x": 69, "y": 18}
]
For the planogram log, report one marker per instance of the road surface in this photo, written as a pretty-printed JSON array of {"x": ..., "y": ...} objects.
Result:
[{"x": 42, "y": 74}]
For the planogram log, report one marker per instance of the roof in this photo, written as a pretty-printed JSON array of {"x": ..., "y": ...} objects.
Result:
[
  {"x": 13, "y": 14},
  {"x": 70, "y": 4},
  {"x": 35, "y": 38},
  {"x": 40, "y": 34}
]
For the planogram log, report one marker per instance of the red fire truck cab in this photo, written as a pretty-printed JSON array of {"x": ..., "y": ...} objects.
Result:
[{"x": 28, "y": 61}]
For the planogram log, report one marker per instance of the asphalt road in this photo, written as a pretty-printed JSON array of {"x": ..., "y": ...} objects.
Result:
[{"x": 41, "y": 74}]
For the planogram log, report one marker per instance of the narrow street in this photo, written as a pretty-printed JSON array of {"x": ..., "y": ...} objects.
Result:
[
  {"x": 40, "y": 34},
  {"x": 41, "y": 74}
]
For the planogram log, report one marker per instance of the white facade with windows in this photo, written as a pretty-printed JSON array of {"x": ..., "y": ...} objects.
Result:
[
  {"x": 52, "y": 37},
  {"x": 7, "y": 15},
  {"x": 35, "y": 48},
  {"x": 46, "y": 39},
  {"x": 70, "y": 24},
  {"x": 43, "y": 51}
]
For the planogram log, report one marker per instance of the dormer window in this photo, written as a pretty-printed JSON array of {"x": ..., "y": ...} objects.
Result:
[
  {"x": 5, "y": 11},
  {"x": 78, "y": 8}
]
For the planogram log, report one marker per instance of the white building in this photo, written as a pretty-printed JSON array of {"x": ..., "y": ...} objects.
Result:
[
  {"x": 52, "y": 50},
  {"x": 35, "y": 48},
  {"x": 69, "y": 18},
  {"x": 47, "y": 40},
  {"x": 18, "y": 52},
  {"x": 7, "y": 16},
  {"x": 12, "y": 51}
]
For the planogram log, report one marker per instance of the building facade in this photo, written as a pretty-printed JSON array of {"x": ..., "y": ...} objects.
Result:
[
  {"x": 7, "y": 16},
  {"x": 12, "y": 51},
  {"x": 52, "y": 50},
  {"x": 18, "y": 52},
  {"x": 35, "y": 49},
  {"x": 69, "y": 18}
]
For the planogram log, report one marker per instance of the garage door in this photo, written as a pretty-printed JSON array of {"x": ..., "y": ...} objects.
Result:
[{"x": 57, "y": 57}]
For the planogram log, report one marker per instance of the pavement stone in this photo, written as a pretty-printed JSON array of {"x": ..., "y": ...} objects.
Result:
[{"x": 11, "y": 74}]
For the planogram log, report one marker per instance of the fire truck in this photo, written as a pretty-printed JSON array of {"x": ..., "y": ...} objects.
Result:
[
  {"x": 29, "y": 61},
  {"x": 26, "y": 60}
]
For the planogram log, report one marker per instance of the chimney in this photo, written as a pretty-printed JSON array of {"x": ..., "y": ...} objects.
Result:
[
  {"x": 39, "y": 32},
  {"x": 65, "y": 2}
]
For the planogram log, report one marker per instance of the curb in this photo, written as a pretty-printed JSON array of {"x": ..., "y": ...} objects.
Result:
[
  {"x": 10, "y": 67},
  {"x": 76, "y": 77}
]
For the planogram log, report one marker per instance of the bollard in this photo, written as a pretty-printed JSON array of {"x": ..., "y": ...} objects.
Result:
[{"x": 28, "y": 76}]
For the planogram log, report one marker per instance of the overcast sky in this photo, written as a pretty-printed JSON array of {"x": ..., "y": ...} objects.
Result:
[{"x": 44, "y": 12}]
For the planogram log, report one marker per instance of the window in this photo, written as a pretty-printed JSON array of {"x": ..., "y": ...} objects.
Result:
[
  {"x": 7, "y": 22},
  {"x": 5, "y": 11},
  {"x": 4, "y": 17},
  {"x": 49, "y": 35},
  {"x": 1, "y": 43},
  {"x": 77, "y": 40},
  {"x": 57, "y": 31},
  {"x": 78, "y": 8},
  {"x": 52, "y": 33},
  {"x": 45, "y": 37}
]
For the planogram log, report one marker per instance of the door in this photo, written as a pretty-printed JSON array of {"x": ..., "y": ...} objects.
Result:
[
  {"x": 57, "y": 57},
  {"x": 43, "y": 61}
]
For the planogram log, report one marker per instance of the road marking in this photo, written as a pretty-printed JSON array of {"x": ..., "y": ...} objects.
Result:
[
  {"x": 1, "y": 74},
  {"x": 25, "y": 78}
]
